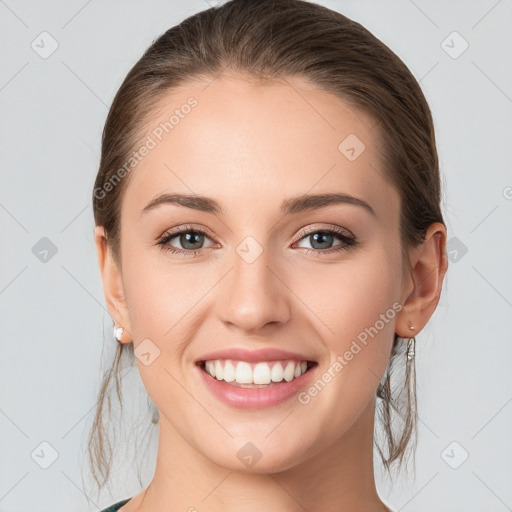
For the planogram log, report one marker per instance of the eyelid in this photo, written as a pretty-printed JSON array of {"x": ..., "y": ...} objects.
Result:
[
  {"x": 185, "y": 228},
  {"x": 314, "y": 228}
]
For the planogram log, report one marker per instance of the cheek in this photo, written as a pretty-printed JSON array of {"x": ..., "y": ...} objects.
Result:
[
  {"x": 163, "y": 304},
  {"x": 164, "y": 299},
  {"x": 354, "y": 317},
  {"x": 354, "y": 307},
  {"x": 351, "y": 295}
]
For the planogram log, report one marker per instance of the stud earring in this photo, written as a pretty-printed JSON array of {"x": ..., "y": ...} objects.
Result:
[{"x": 118, "y": 333}]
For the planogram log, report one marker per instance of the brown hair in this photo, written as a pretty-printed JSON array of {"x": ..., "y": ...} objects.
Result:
[{"x": 272, "y": 39}]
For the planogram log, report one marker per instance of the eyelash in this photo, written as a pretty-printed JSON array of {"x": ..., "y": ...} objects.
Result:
[{"x": 347, "y": 241}]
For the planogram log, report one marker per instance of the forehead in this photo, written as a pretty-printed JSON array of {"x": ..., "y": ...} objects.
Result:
[{"x": 235, "y": 138}]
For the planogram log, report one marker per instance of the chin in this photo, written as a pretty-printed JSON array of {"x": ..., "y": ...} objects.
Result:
[{"x": 251, "y": 458}]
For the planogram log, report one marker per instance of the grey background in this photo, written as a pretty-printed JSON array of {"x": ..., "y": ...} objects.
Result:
[{"x": 56, "y": 339}]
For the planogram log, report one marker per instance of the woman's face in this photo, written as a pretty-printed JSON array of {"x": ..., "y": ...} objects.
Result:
[{"x": 268, "y": 274}]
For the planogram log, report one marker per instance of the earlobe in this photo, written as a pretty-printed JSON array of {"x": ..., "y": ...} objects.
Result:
[
  {"x": 112, "y": 284},
  {"x": 429, "y": 264}
]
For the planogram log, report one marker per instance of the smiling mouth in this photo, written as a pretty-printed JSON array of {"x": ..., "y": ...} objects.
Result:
[{"x": 256, "y": 374}]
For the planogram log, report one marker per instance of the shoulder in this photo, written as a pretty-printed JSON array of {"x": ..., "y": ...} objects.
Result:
[{"x": 116, "y": 506}]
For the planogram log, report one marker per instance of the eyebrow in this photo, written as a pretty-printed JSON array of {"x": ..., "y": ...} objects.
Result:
[{"x": 288, "y": 206}]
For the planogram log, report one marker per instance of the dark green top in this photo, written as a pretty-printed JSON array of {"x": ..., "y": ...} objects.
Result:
[{"x": 116, "y": 506}]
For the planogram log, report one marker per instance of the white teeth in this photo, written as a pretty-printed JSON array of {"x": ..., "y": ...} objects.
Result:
[
  {"x": 243, "y": 372},
  {"x": 262, "y": 374},
  {"x": 289, "y": 372},
  {"x": 219, "y": 370},
  {"x": 229, "y": 371},
  {"x": 277, "y": 373}
]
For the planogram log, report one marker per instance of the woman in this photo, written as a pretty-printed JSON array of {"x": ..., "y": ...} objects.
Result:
[{"x": 270, "y": 241}]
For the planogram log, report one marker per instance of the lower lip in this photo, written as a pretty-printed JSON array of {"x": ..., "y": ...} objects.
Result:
[{"x": 255, "y": 398}]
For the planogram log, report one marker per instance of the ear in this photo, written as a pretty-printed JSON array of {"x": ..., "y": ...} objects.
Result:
[
  {"x": 112, "y": 285},
  {"x": 423, "y": 284}
]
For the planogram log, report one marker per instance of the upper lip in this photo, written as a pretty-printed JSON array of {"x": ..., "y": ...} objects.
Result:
[{"x": 264, "y": 354}]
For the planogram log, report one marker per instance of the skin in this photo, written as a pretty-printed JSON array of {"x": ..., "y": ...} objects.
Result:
[{"x": 267, "y": 142}]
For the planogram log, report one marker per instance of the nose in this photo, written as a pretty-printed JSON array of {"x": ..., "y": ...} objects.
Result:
[{"x": 254, "y": 294}]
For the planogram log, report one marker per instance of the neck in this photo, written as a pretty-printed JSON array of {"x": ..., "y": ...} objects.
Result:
[{"x": 339, "y": 477}]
